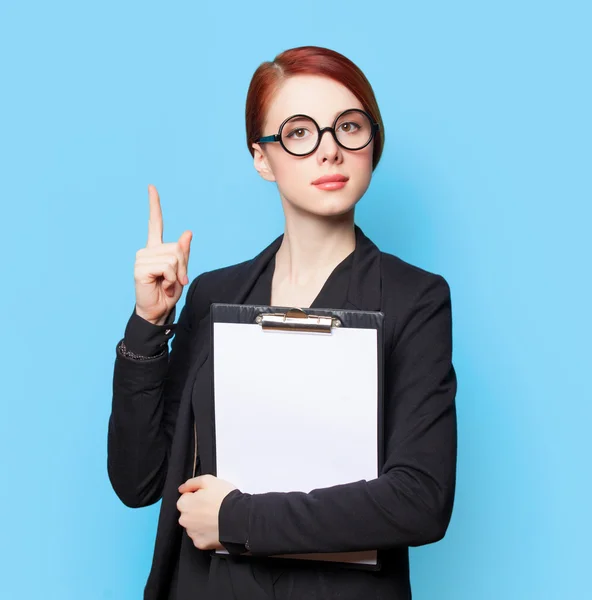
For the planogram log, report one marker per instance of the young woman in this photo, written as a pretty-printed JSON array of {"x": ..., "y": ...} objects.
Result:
[{"x": 313, "y": 128}]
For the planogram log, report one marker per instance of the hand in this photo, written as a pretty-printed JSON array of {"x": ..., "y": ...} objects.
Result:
[
  {"x": 199, "y": 505},
  {"x": 160, "y": 270}
]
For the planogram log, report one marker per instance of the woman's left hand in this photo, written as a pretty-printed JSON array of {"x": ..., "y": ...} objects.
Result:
[{"x": 199, "y": 505}]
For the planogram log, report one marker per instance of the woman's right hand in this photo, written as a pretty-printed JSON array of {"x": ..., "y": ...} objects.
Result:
[{"x": 160, "y": 270}]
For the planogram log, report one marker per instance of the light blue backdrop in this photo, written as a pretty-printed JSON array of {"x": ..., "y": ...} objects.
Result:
[{"x": 485, "y": 179}]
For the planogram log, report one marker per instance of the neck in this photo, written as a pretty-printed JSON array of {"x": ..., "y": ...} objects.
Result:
[{"x": 313, "y": 246}]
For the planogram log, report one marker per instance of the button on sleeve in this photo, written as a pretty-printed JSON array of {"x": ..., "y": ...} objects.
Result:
[{"x": 146, "y": 339}]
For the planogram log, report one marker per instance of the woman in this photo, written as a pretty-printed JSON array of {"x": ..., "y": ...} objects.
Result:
[{"x": 322, "y": 260}]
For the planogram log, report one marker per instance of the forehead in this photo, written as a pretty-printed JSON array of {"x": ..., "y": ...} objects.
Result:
[{"x": 319, "y": 97}]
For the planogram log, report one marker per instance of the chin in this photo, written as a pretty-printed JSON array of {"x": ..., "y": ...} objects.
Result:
[
  {"x": 332, "y": 205},
  {"x": 326, "y": 204},
  {"x": 332, "y": 209},
  {"x": 332, "y": 212}
]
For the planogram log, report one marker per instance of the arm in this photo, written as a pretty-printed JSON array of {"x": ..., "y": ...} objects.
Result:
[
  {"x": 146, "y": 393},
  {"x": 410, "y": 503},
  {"x": 144, "y": 340}
]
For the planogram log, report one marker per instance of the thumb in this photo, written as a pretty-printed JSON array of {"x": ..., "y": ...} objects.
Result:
[
  {"x": 185, "y": 239},
  {"x": 191, "y": 485},
  {"x": 185, "y": 243}
]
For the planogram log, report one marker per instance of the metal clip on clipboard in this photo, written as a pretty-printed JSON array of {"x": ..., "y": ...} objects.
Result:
[{"x": 296, "y": 319}]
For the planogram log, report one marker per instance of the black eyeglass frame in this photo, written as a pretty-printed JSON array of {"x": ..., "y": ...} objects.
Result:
[{"x": 278, "y": 136}]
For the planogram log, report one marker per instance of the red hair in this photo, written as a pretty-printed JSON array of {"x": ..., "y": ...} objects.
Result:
[{"x": 308, "y": 60}]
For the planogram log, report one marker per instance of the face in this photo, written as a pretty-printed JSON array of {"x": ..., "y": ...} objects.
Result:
[{"x": 322, "y": 99}]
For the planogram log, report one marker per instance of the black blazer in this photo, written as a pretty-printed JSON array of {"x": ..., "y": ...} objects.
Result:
[{"x": 152, "y": 433}]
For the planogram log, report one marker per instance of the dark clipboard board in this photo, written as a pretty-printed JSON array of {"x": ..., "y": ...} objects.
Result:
[{"x": 315, "y": 321}]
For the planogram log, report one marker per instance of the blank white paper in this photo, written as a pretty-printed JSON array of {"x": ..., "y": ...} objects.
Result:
[{"x": 296, "y": 411}]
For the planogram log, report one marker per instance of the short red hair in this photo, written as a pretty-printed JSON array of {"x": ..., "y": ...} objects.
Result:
[{"x": 308, "y": 60}]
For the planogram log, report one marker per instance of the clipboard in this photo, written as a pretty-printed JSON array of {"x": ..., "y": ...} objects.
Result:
[{"x": 274, "y": 367}]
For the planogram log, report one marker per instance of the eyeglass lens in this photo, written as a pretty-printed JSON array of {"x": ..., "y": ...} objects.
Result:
[{"x": 353, "y": 130}]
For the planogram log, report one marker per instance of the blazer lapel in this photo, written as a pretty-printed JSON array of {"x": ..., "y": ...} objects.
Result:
[
  {"x": 233, "y": 291},
  {"x": 251, "y": 271},
  {"x": 365, "y": 285}
]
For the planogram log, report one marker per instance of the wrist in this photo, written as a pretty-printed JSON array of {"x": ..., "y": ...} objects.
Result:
[
  {"x": 159, "y": 322},
  {"x": 147, "y": 338}
]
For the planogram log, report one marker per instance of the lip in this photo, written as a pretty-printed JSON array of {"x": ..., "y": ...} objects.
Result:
[{"x": 330, "y": 179}]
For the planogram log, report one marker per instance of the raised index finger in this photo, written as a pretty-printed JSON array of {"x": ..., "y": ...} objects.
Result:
[{"x": 155, "y": 220}]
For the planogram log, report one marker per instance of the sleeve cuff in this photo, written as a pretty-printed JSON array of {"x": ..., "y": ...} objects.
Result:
[
  {"x": 146, "y": 339},
  {"x": 233, "y": 522}
]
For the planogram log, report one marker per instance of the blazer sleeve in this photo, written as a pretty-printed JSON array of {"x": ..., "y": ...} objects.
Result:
[
  {"x": 144, "y": 409},
  {"x": 146, "y": 340},
  {"x": 410, "y": 503}
]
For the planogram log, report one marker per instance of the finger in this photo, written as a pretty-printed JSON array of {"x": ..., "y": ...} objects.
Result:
[
  {"x": 155, "y": 225},
  {"x": 185, "y": 244},
  {"x": 156, "y": 261},
  {"x": 192, "y": 485},
  {"x": 186, "y": 488},
  {"x": 170, "y": 281},
  {"x": 149, "y": 274},
  {"x": 182, "y": 505},
  {"x": 179, "y": 249},
  {"x": 163, "y": 249}
]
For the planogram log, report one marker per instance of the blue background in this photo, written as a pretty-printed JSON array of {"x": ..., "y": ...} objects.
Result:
[{"x": 485, "y": 178}]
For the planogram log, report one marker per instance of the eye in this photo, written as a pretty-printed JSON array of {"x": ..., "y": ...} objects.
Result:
[
  {"x": 349, "y": 127},
  {"x": 298, "y": 134}
]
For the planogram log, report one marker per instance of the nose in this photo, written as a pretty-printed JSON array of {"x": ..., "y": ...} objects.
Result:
[{"x": 328, "y": 150}]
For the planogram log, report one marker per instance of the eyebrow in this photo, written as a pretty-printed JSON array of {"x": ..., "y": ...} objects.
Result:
[{"x": 334, "y": 114}]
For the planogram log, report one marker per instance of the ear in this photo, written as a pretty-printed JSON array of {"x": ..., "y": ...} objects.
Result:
[{"x": 261, "y": 163}]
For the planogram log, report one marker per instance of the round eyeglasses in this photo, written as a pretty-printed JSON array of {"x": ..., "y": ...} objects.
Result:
[{"x": 300, "y": 135}]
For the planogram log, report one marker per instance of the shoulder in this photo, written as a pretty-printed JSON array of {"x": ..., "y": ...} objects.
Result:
[
  {"x": 411, "y": 293},
  {"x": 217, "y": 285},
  {"x": 414, "y": 300},
  {"x": 408, "y": 281}
]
